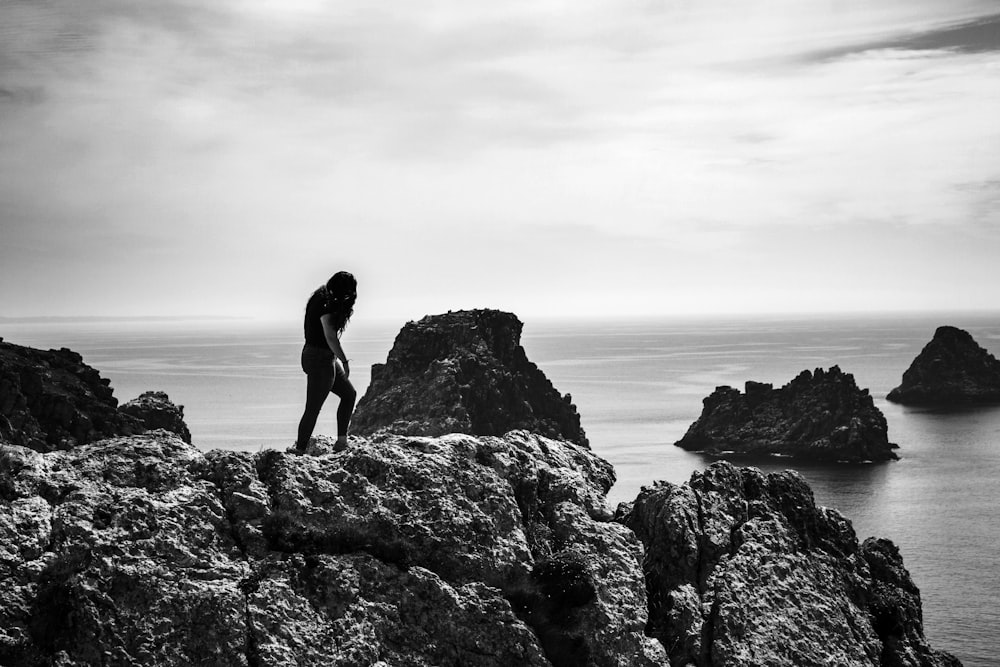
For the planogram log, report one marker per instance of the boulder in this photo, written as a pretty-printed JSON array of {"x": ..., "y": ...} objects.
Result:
[
  {"x": 454, "y": 550},
  {"x": 52, "y": 400},
  {"x": 820, "y": 415},
  {"x": 744, "y": 569},
  {"x": 952, "y": 369},
  {"x": 464, "y": 372},
  {"x": 155, "y": 410}
]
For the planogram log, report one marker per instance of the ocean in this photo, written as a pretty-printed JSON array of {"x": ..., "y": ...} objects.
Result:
[{"x": 638, "y": 386}]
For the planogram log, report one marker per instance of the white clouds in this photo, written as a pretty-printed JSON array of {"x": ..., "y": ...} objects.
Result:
[{"x": 447, "y": 140}]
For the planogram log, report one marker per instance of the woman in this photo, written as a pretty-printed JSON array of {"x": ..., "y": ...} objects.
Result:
[{"x": 323, "y": 359}]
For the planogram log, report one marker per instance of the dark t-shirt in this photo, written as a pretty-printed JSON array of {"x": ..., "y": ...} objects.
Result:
[{"x": 316, "y": 308}]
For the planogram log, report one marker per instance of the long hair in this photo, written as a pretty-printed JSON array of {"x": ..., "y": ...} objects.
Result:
[{"x": 340, "y": 292}]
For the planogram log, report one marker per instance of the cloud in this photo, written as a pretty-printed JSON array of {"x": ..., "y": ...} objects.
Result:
[
  {"x": 208, "y": 145},
  {"x": 978, "y": 35}
]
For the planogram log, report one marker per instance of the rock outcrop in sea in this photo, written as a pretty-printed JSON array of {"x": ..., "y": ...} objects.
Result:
[
  {"x": 464, "y": 372},
  {"x": 743, "y": 568},
  {"x": 155, "y": 410},
  {"x": 445, "y": 550},
  {"x": 820, "y": 416},
  {"x": 952, "y": 369}
]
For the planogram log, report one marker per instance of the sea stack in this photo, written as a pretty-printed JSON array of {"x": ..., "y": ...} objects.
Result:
[
  {"x": 156, "y": 410},
  {"x": 952, "y": 369},
  {"x": 820, "y": 416},
  {"x": 464, "y": 372}
]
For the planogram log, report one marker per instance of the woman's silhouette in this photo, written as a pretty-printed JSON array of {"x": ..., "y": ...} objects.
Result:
[{"x": 323, "y": 360}]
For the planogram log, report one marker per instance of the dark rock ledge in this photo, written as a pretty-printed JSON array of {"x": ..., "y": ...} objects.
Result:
[
  {"x": 52, "y": 400},
  {"x": 951, "y": 370},
  {"x": 820, "y": 416}
]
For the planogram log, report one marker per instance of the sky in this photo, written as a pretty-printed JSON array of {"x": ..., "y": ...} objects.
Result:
[{"x": 552, "y": 158}]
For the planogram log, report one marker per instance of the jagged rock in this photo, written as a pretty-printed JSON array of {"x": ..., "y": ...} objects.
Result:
[
  {"x": 952, "y": 369},
  {"x": 821, "y": 416},
  {"x": 412, "y": 550},
  {"x": 155, "y": 410},
  {"x": 52, "y": 400},
  {"x": 464, "y": 372},
  {"x": 743, "y": 569},
  {"x": 455, "y": 550}
]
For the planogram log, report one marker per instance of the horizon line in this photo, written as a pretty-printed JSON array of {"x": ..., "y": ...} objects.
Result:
[{"x": 58, "y": 319}]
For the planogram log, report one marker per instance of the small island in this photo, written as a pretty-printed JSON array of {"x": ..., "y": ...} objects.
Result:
[
  {"x": 819, "y": 416},
  {"x": 464, "y": 372},
  {"x": 951, "y": 370}
]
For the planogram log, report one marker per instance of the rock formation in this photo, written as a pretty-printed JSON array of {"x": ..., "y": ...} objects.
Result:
[
  {"x": 464, "y": 372},
  {"x": 453, "y": 550},
  {"x": 952, "y": 369},
  {"x": 821, "y": 416},
  {"x": 743, "y": 569},
  {"x": 52, "y": 400},
  {"x": 155, "y": 410},
  {"x": 406, "y": 550}
]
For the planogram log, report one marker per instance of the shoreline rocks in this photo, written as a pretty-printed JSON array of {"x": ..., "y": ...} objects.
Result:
[
  {"x": 444, "y": 550},
  {"x": 155, "y": 410},
  {"x": 819, "y": 416},
  {"x": 52, "y": 400},
  {"x": 456, "y": 550},
  {"x": 743, "y": 568},
  {"x": 464, "y": 372},
  {"x": 951, "y": 370}
]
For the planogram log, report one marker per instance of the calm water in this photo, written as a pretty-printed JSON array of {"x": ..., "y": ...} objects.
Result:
[{"x": 638, "y": 386}]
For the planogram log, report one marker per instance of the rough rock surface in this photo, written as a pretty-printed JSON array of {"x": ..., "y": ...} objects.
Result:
[
  {"x": 52, "y": 400},
  {"x": 822, "y": 416},
  {"x": 155, "y": 410},
  {"x": 464, "y": 372},
  {"x": 401, "y": 550},
  {"x": 952, "y": 369},
  {"x": 743, "y": 569},
  {"x": 416, "y": 550}
]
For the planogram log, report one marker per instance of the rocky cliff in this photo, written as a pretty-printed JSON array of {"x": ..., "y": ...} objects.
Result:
[
  {"x": 464, "y": 372},
  {"x": 743, "y": 569},
  {"x": 401, "y": 550},
  {"x": 821, "y": 415},
  {"x": 952, "y": 369},
  {"x": 52, "y": 400},
  {"x": 449, "y": 550}
]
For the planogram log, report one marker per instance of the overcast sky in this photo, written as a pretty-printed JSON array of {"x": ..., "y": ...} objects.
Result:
[{"x": 550, "y": 158}]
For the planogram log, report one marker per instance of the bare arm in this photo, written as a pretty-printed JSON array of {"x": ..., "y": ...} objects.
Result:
[{"x": 333, "y": 341}]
